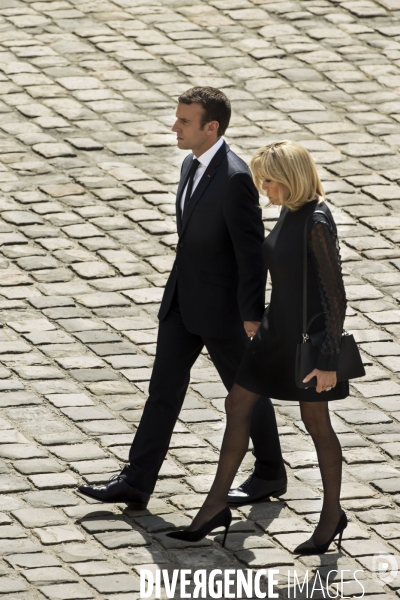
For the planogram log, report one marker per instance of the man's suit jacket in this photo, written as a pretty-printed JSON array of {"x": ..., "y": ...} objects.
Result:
[{"x": 219, "y": 269}]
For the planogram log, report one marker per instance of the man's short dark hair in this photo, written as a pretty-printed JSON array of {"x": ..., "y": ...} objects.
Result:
[{"x": 215, "y": 104}]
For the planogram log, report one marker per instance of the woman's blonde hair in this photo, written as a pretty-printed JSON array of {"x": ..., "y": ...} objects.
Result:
[{"x": 291, "y": 165}]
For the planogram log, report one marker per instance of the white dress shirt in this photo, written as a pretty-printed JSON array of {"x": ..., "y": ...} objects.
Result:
[{"x": 204, "y": 161}]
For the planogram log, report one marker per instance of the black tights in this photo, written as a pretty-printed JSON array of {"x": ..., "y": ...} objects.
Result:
[
  {"x": 315, "y": 415},
  {"x": 316, "y": 419}
]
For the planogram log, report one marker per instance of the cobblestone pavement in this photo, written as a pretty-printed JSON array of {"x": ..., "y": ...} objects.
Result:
[{"x": 88, "y": 171}]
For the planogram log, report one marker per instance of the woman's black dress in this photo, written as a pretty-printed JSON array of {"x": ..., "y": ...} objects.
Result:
[{"x": 268, "y": 367}]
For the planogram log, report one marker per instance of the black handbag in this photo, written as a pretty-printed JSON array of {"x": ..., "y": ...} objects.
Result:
[{"x": 350, "y": 364}]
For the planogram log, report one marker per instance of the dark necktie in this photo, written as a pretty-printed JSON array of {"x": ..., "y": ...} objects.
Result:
[{"x": 192, "y": 173}]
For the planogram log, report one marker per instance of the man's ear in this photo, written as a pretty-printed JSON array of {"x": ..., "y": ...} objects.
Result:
[{"x": 212, "y": 127}]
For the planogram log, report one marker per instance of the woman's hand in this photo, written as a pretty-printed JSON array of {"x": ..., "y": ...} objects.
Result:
[
  {"x": 251, "y": 327},
  {"x": 326, "y": 380}
]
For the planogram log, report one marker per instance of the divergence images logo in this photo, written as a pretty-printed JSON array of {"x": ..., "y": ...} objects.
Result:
[{"x": 384, "y": 568}]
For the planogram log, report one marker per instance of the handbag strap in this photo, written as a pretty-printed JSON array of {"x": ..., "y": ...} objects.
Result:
[{"x": 305, "y": 299}]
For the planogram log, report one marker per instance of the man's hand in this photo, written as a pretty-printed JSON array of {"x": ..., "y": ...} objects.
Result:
[
  {"x": 326, "y": 380},
  {"x": 251, "y": 327}
]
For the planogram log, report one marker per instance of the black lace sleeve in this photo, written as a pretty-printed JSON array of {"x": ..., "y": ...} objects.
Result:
[{"x": 325, "y": 253}]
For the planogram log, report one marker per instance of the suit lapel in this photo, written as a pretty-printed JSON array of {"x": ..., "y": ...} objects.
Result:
[
  {"x": 184, "y": 177},
  {"x": 203, "y": 184}
]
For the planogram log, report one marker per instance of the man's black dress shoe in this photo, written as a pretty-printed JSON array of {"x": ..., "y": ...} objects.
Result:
[
  {"x": 117, "y": 490},
  {"x": 255, "y": 489}
]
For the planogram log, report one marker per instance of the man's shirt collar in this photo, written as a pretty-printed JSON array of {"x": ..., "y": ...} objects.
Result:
[{"x": 207, "y": 157}]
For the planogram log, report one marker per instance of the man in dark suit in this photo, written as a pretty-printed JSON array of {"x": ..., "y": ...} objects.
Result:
[{"x": 214, "y": 297}]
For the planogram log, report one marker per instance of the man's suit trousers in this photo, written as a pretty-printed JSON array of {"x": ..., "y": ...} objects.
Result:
[{"x": 177, "y": 351}]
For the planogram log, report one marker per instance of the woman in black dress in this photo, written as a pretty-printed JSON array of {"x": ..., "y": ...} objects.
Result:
[{"x": 286, "y": 173}]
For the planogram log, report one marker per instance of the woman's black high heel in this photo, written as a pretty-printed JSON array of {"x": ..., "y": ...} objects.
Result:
[
  {"x": 222, "y": 519},
  {"x": 310, "y": 547}
]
